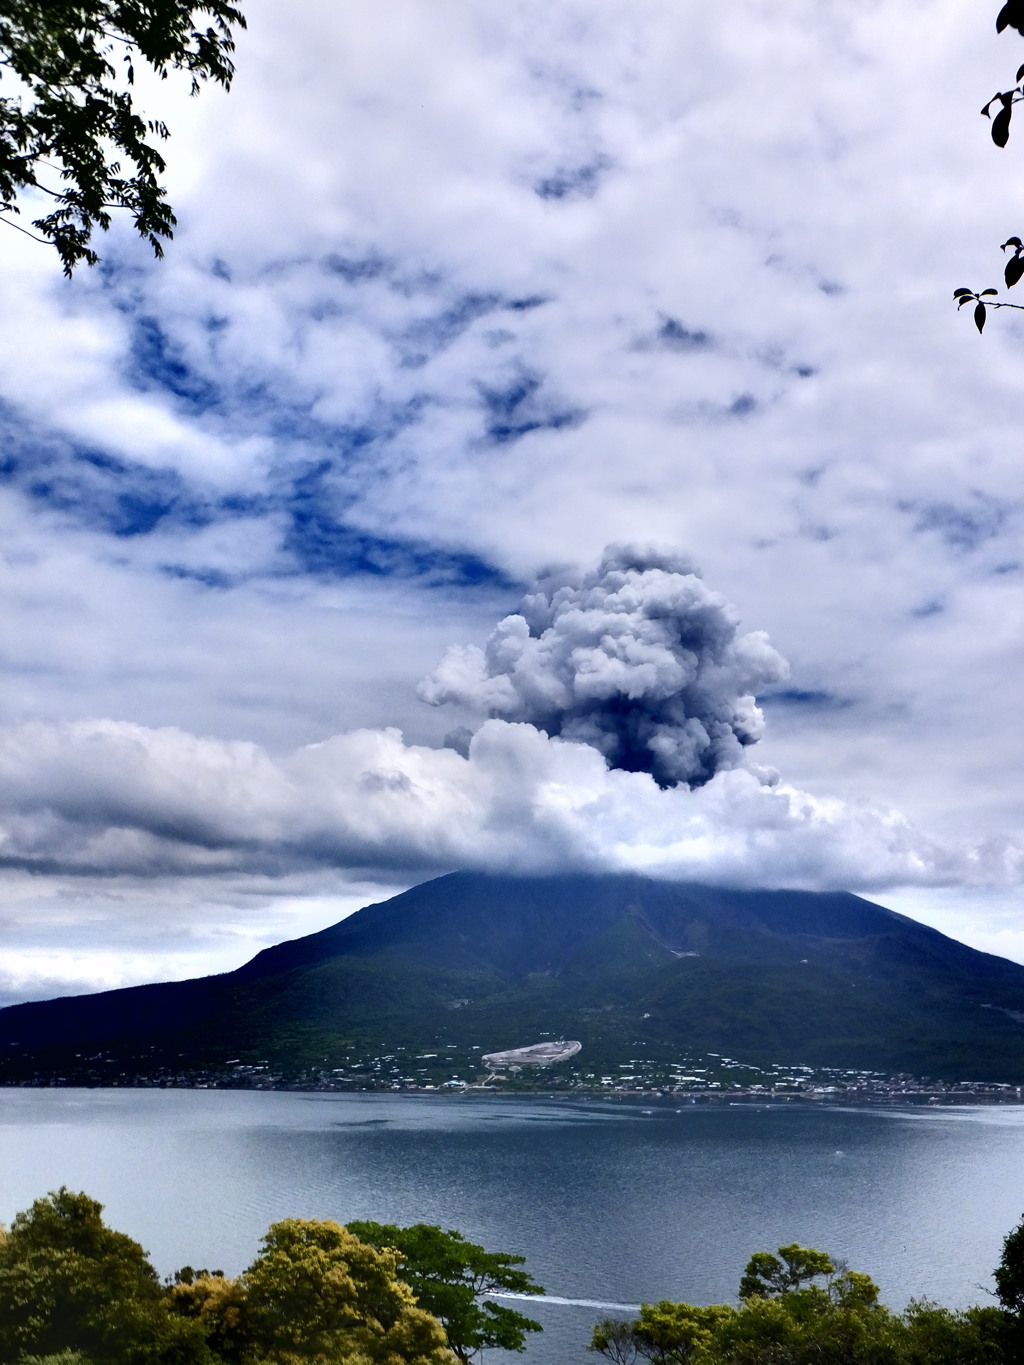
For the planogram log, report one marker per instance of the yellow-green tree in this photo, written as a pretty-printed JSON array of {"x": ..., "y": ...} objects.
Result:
[
  {"x": 68, "y": 1283},
  {"x": 216, "y": 1304},
  {"x": 665, "y": 1333},
  {"x": 316, "y": 1293},
  {"x": 800, "y": 1308}
]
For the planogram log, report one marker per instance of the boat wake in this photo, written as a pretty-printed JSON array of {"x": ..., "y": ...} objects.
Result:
[{"x": 570, "y": 1303}]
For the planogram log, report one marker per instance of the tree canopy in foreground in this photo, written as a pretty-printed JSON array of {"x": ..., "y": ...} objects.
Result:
[
  {"x": 801, "y": 1307},
  {"x": 75, "y": 1292},
  {"x": 450, "y": 1275},
  {"x": 1011, "y": 15},
  {"x": 69, "y": 129}
]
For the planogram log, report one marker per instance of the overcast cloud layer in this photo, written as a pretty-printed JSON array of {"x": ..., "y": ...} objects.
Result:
[{"x": 461, "y": 292}]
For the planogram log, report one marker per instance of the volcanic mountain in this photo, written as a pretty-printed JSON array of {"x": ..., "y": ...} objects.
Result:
[{"x": 473, "y": 963}]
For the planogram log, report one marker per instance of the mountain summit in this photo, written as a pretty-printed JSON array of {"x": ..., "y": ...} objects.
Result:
[{"x": 472, "y": 964}]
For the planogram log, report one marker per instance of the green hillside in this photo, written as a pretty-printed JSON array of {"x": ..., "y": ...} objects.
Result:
[{"x": 632, "y": 967}]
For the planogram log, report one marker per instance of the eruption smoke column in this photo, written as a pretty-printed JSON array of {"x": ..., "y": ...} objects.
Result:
[{"x": 638, "y": 659}]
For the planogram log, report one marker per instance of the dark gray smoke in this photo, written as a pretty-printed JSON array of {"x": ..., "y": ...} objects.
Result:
[{"x": 638, "y": 659}]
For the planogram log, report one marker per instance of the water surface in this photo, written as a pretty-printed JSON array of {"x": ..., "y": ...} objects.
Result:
[{"x": 610, "y": 1203}]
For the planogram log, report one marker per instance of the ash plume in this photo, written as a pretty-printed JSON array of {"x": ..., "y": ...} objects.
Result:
[{"x": 638, "y": 659}]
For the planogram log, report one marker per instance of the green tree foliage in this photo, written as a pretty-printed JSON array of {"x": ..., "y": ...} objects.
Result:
[
  {"x": 1009, "y": 1273},
  {"x": 316, "y": 1293},
  {"x": 68, "y": 126},
  {"x": 449, "y": 1276},
  {"x": 68, "y": 1283},
  {"x": 217, "y": 1304},
  {"x": 75, "y": 1292},
  {"x": 979, "y": 1336},
  {"x": 768, "y": 1276},
  {"x": 1009, "y": 1278},
  {"x": 799, "y": 1308},
  {"x": 665, "y": 1333},
  {"x": 1011, "y": 15},
  {"x": 616, "y": 1338},
  {"x": 61, "y": 1358}
]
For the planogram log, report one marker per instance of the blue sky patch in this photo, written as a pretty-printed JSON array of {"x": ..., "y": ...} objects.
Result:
[
  {"x": 94, "y": 489},
  {"x": 527, "y": 303},
  {"x": 424, "y": 338},
  {"x": 933, "y": 607},
  {"x": 573, "y": 182},
  {"x": 963, "y": 527},
  {"x": 812, "y": 699},
  {"x": 155, "y": 362},
  {"x": 673, "y": 336},
  {"x": 520, "y": 407},
  {"x": 355, "y": 269},
  {"x": 326, "y": 547}
]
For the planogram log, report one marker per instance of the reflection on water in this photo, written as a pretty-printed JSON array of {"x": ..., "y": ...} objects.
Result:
[{"x": 611, "y": 1204}]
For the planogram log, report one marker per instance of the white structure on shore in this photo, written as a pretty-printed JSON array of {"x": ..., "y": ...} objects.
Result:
[{"x": 539, "y": 1054}]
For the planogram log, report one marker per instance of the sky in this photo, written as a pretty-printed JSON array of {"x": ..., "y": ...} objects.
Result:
[{"x": 548, "y": 442}]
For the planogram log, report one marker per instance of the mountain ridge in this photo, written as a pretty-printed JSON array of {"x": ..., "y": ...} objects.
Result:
[{"x": 477, "y": 963}]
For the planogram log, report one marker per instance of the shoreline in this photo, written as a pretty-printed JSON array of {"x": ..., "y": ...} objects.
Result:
[{"x": 928, "y": 1098}]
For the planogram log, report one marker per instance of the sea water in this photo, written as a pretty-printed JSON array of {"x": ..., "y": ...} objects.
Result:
[{"x": 610, "y": 1203}]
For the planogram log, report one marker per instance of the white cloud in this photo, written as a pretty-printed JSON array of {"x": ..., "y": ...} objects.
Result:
[
  {"x": 108, "y": 798},
  {"x": 736, "y": 230},
  {"x": 65, "y": 935}
]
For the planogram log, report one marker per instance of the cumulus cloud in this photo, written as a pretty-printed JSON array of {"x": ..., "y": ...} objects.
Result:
[
  {"x": 64, "y": 935},
  {"x": 623, "y": 715},
  {"x": 623, "y": 709},
  {"x": 638, "y": 659},
  {"x": 459, "y": 292},
  {"x": 111, "y": 798}
]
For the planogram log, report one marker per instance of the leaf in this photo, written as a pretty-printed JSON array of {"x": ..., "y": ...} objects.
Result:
[
  {"x": 1001, "y": 126},
  {"x": 986, "y": 292},
  {"x": 963, "y": 293},
  {"x": 1011, "y": 16},
  {"x": 1020, "y": 73},
  {"x": 1014, "y": 270},
  {"x": 979, "y": 317},
  {"x": 1012, "y": 241}
]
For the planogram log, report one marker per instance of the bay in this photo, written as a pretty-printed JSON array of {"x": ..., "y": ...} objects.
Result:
[{"x": 611, "y": 1203}]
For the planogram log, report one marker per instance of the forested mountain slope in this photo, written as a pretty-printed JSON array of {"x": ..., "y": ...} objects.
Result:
[{"x": 477, "y": 963}]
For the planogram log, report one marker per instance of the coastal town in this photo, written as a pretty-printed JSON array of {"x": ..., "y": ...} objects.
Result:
[{"x": 554, "y": 1067}]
